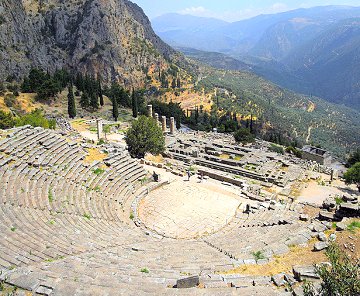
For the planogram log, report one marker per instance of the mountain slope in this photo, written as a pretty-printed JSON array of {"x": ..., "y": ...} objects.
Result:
[
  {"x": 215, "y": 59},
  {"x": 309, "y": 119},
  {"x": 326, "y": 66},
  {"x": 239, "y": 38},
  {"x": 178, "y": 29},
  {"x": 313, "y": 51},
  {"x": 111, "y": 37},
  {"x": 174, "y": 22}
]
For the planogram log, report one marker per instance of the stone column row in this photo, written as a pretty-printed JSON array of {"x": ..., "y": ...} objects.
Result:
[{"x": 163, "y": 120}]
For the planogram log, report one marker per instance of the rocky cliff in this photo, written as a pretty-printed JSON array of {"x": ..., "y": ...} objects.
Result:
[{"x": 110, "y": 37}]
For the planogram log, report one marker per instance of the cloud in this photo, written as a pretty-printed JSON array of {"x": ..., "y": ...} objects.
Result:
[
  {"x": 277, "y": 7},
  {"x": 198, "y": 11},
  {"x": 235, "y": 15}
]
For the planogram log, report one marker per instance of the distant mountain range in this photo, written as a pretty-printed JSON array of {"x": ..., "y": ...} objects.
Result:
[{"x": 313, "y": 51}]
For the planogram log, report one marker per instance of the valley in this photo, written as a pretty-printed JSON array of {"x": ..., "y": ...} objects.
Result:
[{"x": 298, "y": 50}]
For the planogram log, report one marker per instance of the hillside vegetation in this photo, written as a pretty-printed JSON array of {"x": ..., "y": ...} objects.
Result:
[{"x": 308, "y": 119}]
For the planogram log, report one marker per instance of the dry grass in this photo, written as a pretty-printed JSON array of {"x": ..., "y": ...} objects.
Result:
[
  {"x": 94, "y": 155},
  {"x": 80, "y": 125},
  {"x": 296, "y": 256},
  {"x": 224, "y": 156},
  {"x": 348, "y": 238},
  {"x": 3, "y": 107},
  {"x": 154, "y": 158},
  {"x": 189, "y": 99},
  {"x": 311, "y": 107},
  {"x": 311, "y": 211},
  {"x": 25, "y": 102}
]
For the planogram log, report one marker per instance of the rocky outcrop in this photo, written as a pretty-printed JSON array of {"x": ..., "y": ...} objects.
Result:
[{"x": 110, "y": 37}]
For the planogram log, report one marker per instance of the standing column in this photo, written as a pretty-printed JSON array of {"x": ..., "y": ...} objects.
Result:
[
  {"x": 163, "y": 121},
  {"x": 150, "y": 112},
  {"x": 99, "y": 125},
  {"x": 157, "y": 118},
  {"x": 172, "y": 125}
]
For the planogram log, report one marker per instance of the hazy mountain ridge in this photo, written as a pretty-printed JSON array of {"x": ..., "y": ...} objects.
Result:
[
  {"x": 327, "y": 65},
  {"x": 312, "y": 51}
]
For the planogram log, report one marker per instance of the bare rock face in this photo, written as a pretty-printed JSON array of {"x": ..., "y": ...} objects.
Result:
[{"x": 110, "y": 37}]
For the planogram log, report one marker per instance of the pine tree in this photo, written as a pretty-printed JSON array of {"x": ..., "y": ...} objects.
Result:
[
  {"x": 84, "y": 100},
  {"x": 134, "y": 104},
  {"x": 115, "y": 110},
  {"x": 100, "y": 92},
  {"x": 71, "y": 102}
]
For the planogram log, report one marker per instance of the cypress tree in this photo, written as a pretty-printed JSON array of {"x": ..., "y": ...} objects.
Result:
[
  {"x": 163, "y": 79},
  {"x": 178, "y": 120},
  {"x": 251, "y": 124},
  {"x": 178, "y": 83},
  {"x": 87, "y": 84},
  {"x": 134, "y": 104},
  {"x": 234, "y": 117},
  {"x": 173, "y": 83},
  {"x": 84, "y": 100},
  {"x": 115, "y": 109},
  {"x": 101, "y": 97},
  {"x": 94, "y": 101},
  {"x": 71, "y": 102},
  {"x": 196, "y": 115}
]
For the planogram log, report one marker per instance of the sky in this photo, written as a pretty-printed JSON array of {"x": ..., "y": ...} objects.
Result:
[{"x": 231, "y": 10}]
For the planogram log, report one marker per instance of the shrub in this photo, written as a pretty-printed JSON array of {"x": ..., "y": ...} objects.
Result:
[
  {"x": 145, "y": 136},
  {"x": 352, "y": 175},
  {"x": 340, "y": 278},
  {"x": 35, "y": 119},
  {"x": 353, "y": 158},
  {"x": 98, "y": 171},
  {"x": 258, "y": 255},
  {"x": 243, "y": 135},
  {"x": 6, "y": 120},
  {"x": 87, "y": 216},
  {"x": 338, "y": 200},
  {"x": 144, "y": 270},
  {"x": 9, "y": 100},
  {"x": 294, "y": 151},
  {"x": 277, "y": 149},
  {"x": 353, "y": 226},
  {"x": 50, "y": 196},
  {"x": 13, "y": 88}
]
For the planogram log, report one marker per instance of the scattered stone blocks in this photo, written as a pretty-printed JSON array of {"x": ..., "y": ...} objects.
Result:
[{"x": 189, "y": 282}]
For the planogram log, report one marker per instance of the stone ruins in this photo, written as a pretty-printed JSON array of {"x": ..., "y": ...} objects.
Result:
[{"x": 73, "y": 224}]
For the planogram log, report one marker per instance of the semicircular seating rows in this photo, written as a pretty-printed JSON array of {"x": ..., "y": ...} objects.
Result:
[
  {"x": 64, "y": 231},
  {"x": 62, "y": 222}
]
